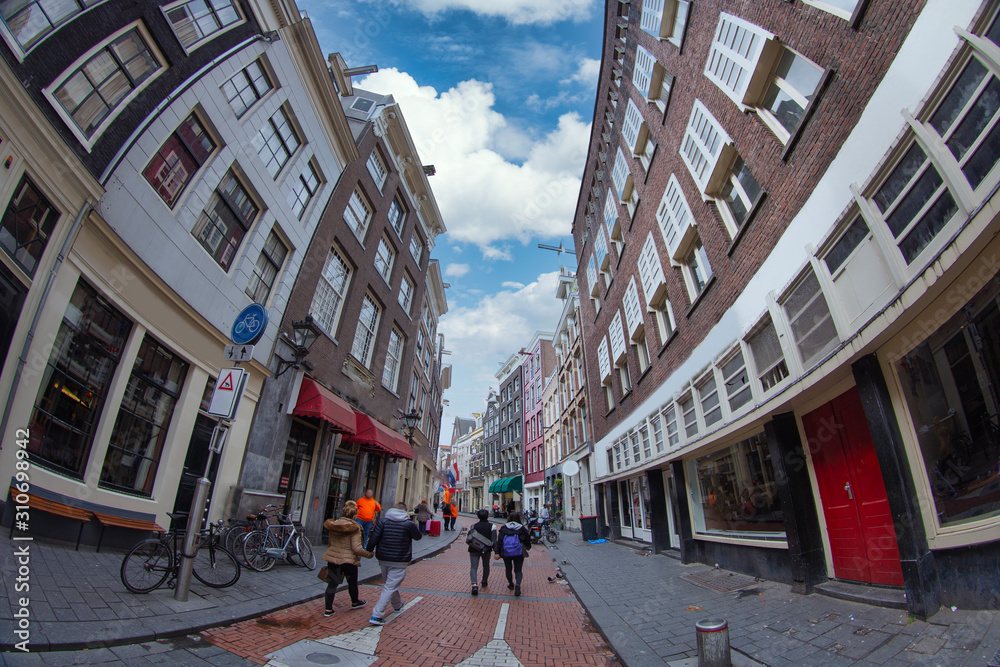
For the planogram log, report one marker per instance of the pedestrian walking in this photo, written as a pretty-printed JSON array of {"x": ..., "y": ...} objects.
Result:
[
  {"x": 423, "y": 515},
  {"x": 512, "y": 544},
  {"x": 454, "y": 515},
  {"x": 392, "y": 541},
  {"x": 449, "y": 523},
  {"x": 368, "y": 510},
  {"x": 344, "y": 555},
  {"x": 479, "y": 551}
]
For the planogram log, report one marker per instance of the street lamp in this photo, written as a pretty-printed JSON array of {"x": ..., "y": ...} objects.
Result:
[
  {"x": 410, "y": 421},
  {"x": 304, "y": 334}
]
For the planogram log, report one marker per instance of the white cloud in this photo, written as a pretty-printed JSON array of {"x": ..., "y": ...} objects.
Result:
[
  {"x": 518, "y": 12},
  {"x": 485, "y": 198},
  {"x": 456, "y": 270},
  {"x": 511, "y": 284},
  {"x": 586, "y": 73}
]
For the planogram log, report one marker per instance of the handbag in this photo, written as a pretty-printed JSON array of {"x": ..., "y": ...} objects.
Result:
[
  {"x": 322, "y": 573},
  {"x": 478, "y": 541}
]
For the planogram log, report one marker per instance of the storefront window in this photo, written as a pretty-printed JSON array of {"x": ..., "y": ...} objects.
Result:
[
  {"x": 295, "y": 469},
  {"x": 950, "y": 382},
  {"x": 734, "y": 492}
]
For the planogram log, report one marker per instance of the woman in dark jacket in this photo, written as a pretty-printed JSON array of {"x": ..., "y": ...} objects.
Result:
[
  {"x": 484, "y": 528},
  {"x": 512, "y": 544}
]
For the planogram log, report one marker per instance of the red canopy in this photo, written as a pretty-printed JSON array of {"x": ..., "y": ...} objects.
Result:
[
  {"x": 374, "y": 435},
  {"x": 317, "y": 401}
]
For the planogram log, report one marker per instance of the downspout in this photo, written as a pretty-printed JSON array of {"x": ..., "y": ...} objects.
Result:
[{"x": 22, "y": 359}]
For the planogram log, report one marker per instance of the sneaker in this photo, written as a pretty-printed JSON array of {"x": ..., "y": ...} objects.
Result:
[
  {"x": 375, "y": 620},
  {"x": 396, "y": 609},
  {"x": 510, "y": 586},
  {"x": 517, "y": 591},
  {"x": 475, "y": 589},
  {"x": 484, "y": 584},
  {"x": 328, "y": 613},
  {"x": 358, "y": 604}
]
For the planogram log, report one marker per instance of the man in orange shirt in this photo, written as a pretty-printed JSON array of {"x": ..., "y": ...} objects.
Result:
[{"x": 368, "y": 509}]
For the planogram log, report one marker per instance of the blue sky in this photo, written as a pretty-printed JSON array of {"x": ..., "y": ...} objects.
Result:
[{"x": 498, "y": 95}]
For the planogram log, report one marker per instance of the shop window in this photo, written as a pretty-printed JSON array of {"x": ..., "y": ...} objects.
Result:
[
  {"x": 247, "y": 86},
  {"x": 136, "y": 444},
  {"x": 85, "y": 354},
  {"x": 950, "y": 383},
  {"x": 809, "y": 317},
  {"x": 267, "y": 268},
  {"x": 177, "y": 160},
  {"x": 196, "y": 21},
  {"x": 734, "y": 492},
  {"x": 768, "y": 357},
  {"x": 227, "y": 217},
  {"x": 28, "y": 221}
]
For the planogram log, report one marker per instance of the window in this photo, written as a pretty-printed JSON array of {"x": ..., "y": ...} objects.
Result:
[
  {"x": 364, "y": 336},
  {"x": 272, "y": 256},
  {"x": 362, "y": 104},
  {"x": 609, "y": 395},
  {"x": 736, "y": 382},
  {"x": 406, "y": 289},
  {"x": 809, "y": 317},
  {"x": 136, "y": 443},
  {"x": 303, "y": 190},
  {"x": 390, "y": 374},
  {"x": 624, "y": 185},
  {"x": 669, "y": 415},
  {"x": 765, "y": 350},
  {"x": 739, "y": 194},
  {"x": 27, "y": 223},
  {"x": 397, "y": 215},
  {"x": 84, "y": 356},
  {"x": 330, "y": 292},
  {"x": 708, "y": 395},
  {"x": 376, "y": 167},
  {"x": 358, "y": 213},
  {"x": 687, "y": 408},
  {"x": 792, "y": 86},
  {"x": 384, "y": 258},
  {"x": 92, "y": 93},
  {"x": 665, "y": 19},
  {"x": 416, "y": 248},
  {"x": 224, "y": 222},
  {"x": 623, "y": 375},
  {"x": 843, "y": 248},
  {"x": 637, "y": 134},
  {"x": 194, "y": 21},
  {"x": 697, "y": 270},
  {"x": 702, "y": 148},
  {"x": 604, "y": 359},
  {"x": 664, "y": 318},
  {"x": 738, "y": 50},
  {"x": 414, "y": 390},
  {"x": 674, "y": 217},
  {"x": 180, "y": 156},
  {"x": 276, "y": 142},
  {"x": 651, "y": 79},
  {"x": 30, "y": 22},
  {"x": 247, "y": 86},
  {"x": 842, "y": 8}
]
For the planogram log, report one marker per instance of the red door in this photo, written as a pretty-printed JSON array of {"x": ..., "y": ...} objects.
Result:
[{"x": 862, "y": 537}]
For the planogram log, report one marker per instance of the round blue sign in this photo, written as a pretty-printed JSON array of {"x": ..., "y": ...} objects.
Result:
[{"x": 249, "y": 325}]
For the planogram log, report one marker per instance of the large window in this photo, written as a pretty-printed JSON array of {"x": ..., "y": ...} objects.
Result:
[
  {"x": 690, "y": 414},
  {"x": 330, "y": 292},
  {"x": 792, "y": 86},
  {"x": 416, "y": 248},
  {"x": 28, "y": 221},
  {"x": 397, "y": 215},
  {"x": 376, "y": 167},
  {"x": 734, "y": 492},
  {"x": 393, "y": 354},
  {"x": 364, "y": 336},
  {"x": 739, "y": 194},
  {"x": 767, "y": 356},
  {"x": 812, "y": 325},
  {"x": 92, "y": 92},
  {"x": 136, "y": 444},
  {"x": 276, "y": 142},
  {"x": 265, "y": 272},
  {"x": 30, "y": 22},
  {"x": 950, "y": 382},
  {"x": 358, "y": 213},
  {"x": 226, "y": 219},
  {"x": 708, "y": 396},
  {"x": 406, "y": 289},
  {"x": 697, "y": 269},
  {"x": 195, "y": 21},
  {"x": 385, "y": 256},
  {"x": 247, "y": 86},
  {"x": 180, "y": 156},
  {"x": 736, "y": 381},
  {"x": 85, "y": 354},
  {"x": 303, "y": 190}
]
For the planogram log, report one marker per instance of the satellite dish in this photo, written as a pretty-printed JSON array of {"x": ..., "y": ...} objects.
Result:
[{"x": 570, "y": 468}]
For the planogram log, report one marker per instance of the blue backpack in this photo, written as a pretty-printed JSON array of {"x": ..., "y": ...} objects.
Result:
[{"x": 512, "y": 545}]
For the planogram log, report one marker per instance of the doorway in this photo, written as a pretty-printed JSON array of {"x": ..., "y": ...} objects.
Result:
[
  {"x": 295, "y": 468},
  {"x": 340, "y": 486},
  {"x": 635, "y": 509},
  {"x": 859, "y": 523},
  {"x": 12, "y": 294},
  {"x": 673, "y": 520},
  {"x": 197, "y": 456}
]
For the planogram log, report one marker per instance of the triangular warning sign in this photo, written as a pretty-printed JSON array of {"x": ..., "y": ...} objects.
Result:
[{"x": 227, "y": 384}]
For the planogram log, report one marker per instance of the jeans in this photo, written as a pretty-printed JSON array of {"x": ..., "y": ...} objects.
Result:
[
  {"x": 474, "y": 558},
  {"x": 393, "y": 575},
  {"x": 366, "y": 527},
  {"x": 516, "y": 562},
  {"x": 335, "y": 573}
]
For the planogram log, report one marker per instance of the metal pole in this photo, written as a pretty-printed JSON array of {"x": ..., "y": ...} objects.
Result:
[{"x": 713, "y": 643}]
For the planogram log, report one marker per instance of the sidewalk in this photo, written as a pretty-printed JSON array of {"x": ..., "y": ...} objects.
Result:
[
  {"x": 79, "y": 602},
  {"x": 647, "y": 613}
]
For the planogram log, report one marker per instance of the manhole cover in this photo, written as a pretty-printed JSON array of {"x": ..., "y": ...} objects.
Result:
[
  {"x": 323, "y": 659},
  {"x": 720, "y": 580}
]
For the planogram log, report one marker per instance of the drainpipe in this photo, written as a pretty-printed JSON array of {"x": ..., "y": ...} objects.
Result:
[{"x": 22, "y": 359}]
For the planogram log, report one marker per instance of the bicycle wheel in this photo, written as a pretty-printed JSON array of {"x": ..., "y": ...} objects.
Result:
[
  {"x": 234, "y": 535},
  {"x": 303, "y": 554},
  {"x": 215, "y": 567},
  {"x": 552, "y": 536},
  {"x": 253, "y": 551},
  {"x": 146, "y": 566}
]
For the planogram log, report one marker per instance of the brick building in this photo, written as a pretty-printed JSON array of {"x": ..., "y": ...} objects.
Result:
[
  {"x": 538, "y": 365},
  {"x": 785, "y": 240},
  {"x": 509, "y": 484},
  {"x": 491, "y": 467}
]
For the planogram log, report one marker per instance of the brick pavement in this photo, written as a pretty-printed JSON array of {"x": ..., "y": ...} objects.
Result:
[{"x": 641, "y": 605}]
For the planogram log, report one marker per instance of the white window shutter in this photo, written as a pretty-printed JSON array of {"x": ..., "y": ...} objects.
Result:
[
  {"x": 619, "y": 174},
  {"x": 674, "y": 215},
  {"x": 652, "y": 17},
  {"x": 631, "y": 124},
  {"x": 610, "y": 210},
  {"x": 604, "y": 359},
  {"x": 592, "y": 275},
  {"x": 616, "y": 332},
  {"x": 651, "y": 270},
  {"x": 601, "y": 248},
  {"x": 642, "y": 74},
  {"x": 702, "y": 144},
  {"x": 633, "y": 311},
  {"x": 735, "y": 52}
]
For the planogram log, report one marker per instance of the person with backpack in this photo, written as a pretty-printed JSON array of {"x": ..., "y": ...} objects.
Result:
[
  {"x": 392, "y": 541},
  {"x": 478, "y": 551},
  {"x": 512, "y": 544},
  {"x": 448, "y": 523}
]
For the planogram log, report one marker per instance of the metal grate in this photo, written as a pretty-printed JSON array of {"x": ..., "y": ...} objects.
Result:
[{"x": 720, "y": 580}]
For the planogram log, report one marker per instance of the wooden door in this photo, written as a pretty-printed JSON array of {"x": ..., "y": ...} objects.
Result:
[{"x": 862, "y": 537}]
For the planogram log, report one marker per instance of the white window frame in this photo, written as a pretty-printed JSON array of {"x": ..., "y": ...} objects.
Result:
[
  {"x": 833, "y": 9},
  {"x": 633, "y": 309},
  {"x": 397, "y": 202},
  {"x": 268, "y": 259},
  {"x": 689, "y": 417},
  {"x": 706, "y": 149},
  {"x": 624, "y": 183},
  {"x": 385, "y": 258},
  {"x": 377, "y": 169},
  {"x": 773, "y": 79},
  {"x": 604, "y": 359},
  {"x": 806, "y": 364},
  {"x": 249, "y": 81},
  {"x": 416, "y": 248},
  {"x": 19, "y": 51},
  {"x": 697, "y": 249},
  {"x": 741, "y": 59},
  {"x": 676, "y": 220},
  {"x": 405, "y": 297},
  {"x": 302, "y": 185},
  {"x": 616, "y": 335},
  {"x": 733, "y": 226},
  {"x": 270, "y": 131},
  {"x": 358, "y": 213},
  {"x": 753, "y": 366},
  {"x": 393, "y": 360},
  {"x": 366, "y": 334},
  {"x": 330, "y": 323},
  {"x": 189, "y": 48},
  {"x": 657, "y": 18},
  {"x": 705, "y": 394},
  {"x": 747, "y": 387}
]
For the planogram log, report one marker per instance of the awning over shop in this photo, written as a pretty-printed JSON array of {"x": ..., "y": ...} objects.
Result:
[
  {"x": 506, "y": 485},
  {"x": 317, "y": 401},
  {"x": 376, "y": 436}
]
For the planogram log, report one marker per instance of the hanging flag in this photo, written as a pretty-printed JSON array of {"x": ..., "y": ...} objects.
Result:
[{"x": 455, "y": 466}]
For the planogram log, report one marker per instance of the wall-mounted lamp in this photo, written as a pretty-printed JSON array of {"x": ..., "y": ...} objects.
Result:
[{"x": 304, "y": 334}]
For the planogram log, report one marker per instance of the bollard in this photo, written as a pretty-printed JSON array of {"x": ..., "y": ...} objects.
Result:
[{"x": 713, "y": 643}]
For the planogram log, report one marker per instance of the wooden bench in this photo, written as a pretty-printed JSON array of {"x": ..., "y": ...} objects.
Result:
[
  {"x": 121, "y": 522},
  {"x": 52, "y": 507}
]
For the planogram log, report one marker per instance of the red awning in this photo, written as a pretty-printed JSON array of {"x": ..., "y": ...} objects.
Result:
[
  {"x": 317, "y": 401},
  {"x": 377, "y": 436}
]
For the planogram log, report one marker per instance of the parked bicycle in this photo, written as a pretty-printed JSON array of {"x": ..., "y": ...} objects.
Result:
[
  {"x": 237, "y": 530},
  {"x": 284, "y": 541},
  {"x": 155, "y": 561}
]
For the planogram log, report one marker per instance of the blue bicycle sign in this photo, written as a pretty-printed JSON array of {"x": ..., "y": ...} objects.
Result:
[{"x": 249, "y": 325}]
